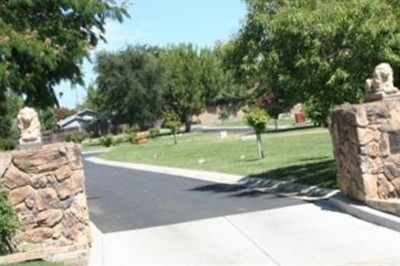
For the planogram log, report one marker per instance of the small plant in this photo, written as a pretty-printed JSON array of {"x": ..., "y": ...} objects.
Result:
[
  {"x": 154, "y": 133},
  {"x": 106, "y": 141},
  {"x": 7, "y": 144},
  {"x": 257, "y": 118},
  {"x": 8, "y": 224},
  {"x": 132, "y": 138},
  {"x": 172, "y": 123}
]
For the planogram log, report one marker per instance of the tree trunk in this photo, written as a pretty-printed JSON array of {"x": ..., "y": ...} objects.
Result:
[
  {"x": 260, "y": 147},
  {"x": 176, "y": 142},
  {"x": 188, "y": 126},
  {"x": 276, "y": 124}
]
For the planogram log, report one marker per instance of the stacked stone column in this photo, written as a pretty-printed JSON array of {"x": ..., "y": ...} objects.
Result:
[
  {"x": 366, "y": 141},
  {"x": 46, "y": 186}
]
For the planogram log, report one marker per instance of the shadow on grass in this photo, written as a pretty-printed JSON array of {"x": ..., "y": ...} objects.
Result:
[{"x": 321, "y": 174}]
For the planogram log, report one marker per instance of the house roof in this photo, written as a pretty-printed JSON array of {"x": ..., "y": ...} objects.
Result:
[{"x": 79, "y": 116}]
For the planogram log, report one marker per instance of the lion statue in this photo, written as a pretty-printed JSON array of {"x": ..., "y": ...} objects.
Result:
[
  {"x": 381, "y": 84},
  {"x": 29, "y": 126}
]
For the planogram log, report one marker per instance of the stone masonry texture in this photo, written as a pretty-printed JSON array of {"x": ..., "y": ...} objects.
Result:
[
  {"x": 46, "y": 186},
  {"x": 365, "y": 140}
]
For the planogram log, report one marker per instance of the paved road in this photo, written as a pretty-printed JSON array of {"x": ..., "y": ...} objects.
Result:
[{"x": 124, "y": 199}]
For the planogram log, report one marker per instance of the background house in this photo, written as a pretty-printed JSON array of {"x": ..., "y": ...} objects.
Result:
[{"x": 79, "y": 121}]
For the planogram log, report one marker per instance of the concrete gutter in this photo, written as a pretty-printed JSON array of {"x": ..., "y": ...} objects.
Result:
[{"x": 364, "y": 212}]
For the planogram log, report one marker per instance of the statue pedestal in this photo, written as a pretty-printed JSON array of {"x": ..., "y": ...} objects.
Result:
[{"x": 33, "y": 141}]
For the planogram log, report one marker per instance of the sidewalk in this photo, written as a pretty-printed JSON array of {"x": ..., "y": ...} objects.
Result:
[
  {"x": 299, "y": 235},
  {"x": 308, "y": 234}
]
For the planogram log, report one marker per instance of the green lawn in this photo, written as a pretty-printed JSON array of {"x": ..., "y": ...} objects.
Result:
[
  {"x": 299, "y": 155},
  {"x": 92, "y": 146}
]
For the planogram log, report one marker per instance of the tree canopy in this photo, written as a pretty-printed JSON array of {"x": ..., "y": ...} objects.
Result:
[
  {"x": 185, "y": 90},
  {"x": 316, "y": 52},
  {"x": 195, "y": 79},
  {"x": 129, "y": 86},
  {"x": 141, "y": 84},
  {"x": 43, "y": 42}
]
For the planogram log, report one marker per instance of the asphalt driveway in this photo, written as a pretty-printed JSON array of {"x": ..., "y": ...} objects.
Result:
[{"x": 125, "y": 199}]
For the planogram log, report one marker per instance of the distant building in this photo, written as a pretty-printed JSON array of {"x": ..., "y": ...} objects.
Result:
[
  {"x": 211, "y": 115},
  {"x": 78, "y": 122}
]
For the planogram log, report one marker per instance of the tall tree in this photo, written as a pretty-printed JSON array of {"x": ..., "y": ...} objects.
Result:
[
  {"x": 318, "y": 52},
  {"x": 47, "y": 118},
  {"x": 93, "y": 98},
  {"x": 220, "y": 87},
  {"x": 44, "y": 42},
  {"x": 129, "y": 86},
  {"x": 138, "y": 84},
  {"x": 184, "y": 93}
]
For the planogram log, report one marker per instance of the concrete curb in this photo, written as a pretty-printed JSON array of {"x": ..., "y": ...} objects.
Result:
[
  {"x": 195, "y": 174},
  {"x": 96, "y": 151},
  {"x": 364, "y": 212},
  {"x": 307, "y": 193},
  {"x": 96, "y": 255}
]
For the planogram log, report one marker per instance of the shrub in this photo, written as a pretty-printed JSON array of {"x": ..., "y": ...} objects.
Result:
[
  {"x": 154, "y": 133},
  {"x": 8, "y": 224},
  {"x": 76, "y": 137},
  {"x": 256, "y": 118},
  {"x": 132, "y": 138},
  {"x": 119, "y": 140},
  {"x": 106, "y": 141},
  {"x": 7, "y": 144},
  {"x": 172, "y": 123}
]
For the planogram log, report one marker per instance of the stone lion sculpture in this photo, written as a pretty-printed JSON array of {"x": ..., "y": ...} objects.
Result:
[
  {"x": 381, "y": 84},
  {"x": 29, "y": 126}
]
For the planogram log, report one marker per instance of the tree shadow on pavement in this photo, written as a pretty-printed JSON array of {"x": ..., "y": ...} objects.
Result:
[{"x": 310, "y": 180}]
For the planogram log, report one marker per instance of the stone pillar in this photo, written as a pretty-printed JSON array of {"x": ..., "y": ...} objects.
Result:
[
  {"x": 46, "y": 186},
  {"x": 366, "y": 142}
]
